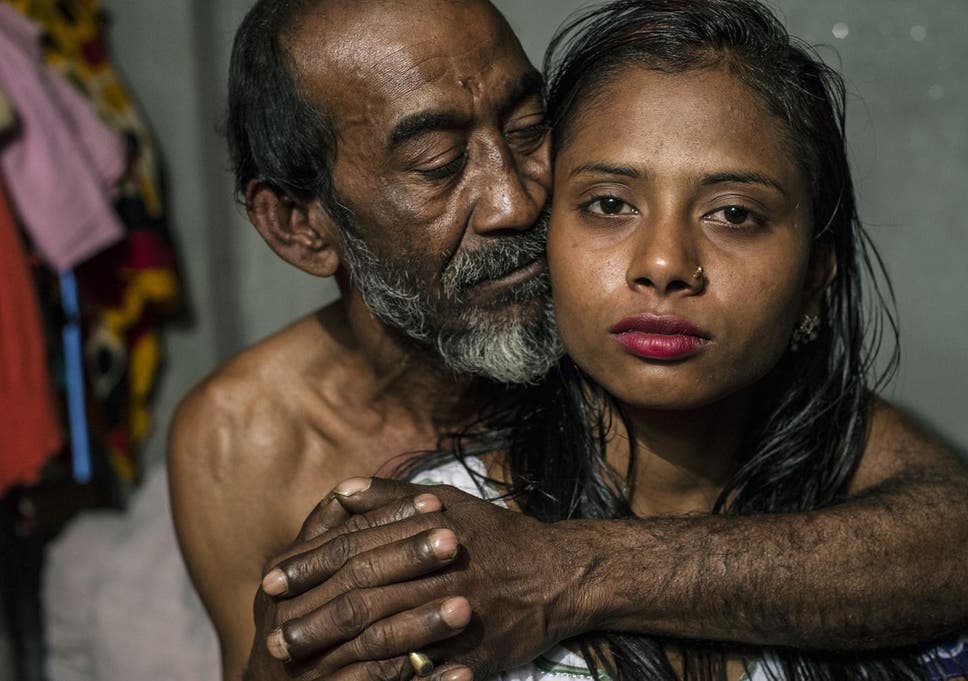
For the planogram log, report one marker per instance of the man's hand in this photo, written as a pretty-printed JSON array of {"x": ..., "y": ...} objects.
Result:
[
  {"x": 319, "y": 649},
  {"x": 330, "y": 614}
]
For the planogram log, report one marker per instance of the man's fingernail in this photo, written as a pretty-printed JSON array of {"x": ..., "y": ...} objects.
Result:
[
  {"x": 456, "y": 612},
  {"x": 275, "y": 583},
  {"x": 444, "y": 544},
  {"x": 277, "y": 646},
  {"x": 427, "y": 503},
  {"x": 457, "y": 675},
  {"x": 348, "y": 488}
]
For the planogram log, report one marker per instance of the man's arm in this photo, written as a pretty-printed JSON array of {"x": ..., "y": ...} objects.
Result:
[{"x": 885, "y": 567}]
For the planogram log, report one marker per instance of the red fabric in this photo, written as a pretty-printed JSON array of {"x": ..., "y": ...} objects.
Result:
[{"x": 29, "y": 425}]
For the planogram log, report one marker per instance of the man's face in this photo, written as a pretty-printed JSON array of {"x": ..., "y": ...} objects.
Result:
[{"x": 442, "y": 171}]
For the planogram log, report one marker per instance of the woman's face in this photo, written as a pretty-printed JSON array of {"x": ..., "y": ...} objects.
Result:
[{"x": 661, "y": 175}]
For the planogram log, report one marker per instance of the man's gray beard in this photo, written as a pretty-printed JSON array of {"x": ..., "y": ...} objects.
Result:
[{"x": 467, "y": 338}]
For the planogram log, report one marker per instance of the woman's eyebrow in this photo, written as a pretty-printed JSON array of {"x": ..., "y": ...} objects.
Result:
[
  {"x": 743, "y": 177},
  {"x": 602, "y": 168}
]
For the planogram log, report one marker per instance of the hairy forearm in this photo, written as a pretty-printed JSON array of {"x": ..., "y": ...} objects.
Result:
[{"x": 885, "y": 568}]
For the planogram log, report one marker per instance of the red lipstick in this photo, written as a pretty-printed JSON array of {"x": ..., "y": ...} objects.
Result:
[{"x": 659, "y": 337}]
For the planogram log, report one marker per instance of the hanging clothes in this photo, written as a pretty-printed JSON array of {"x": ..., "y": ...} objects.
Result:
[
  {"x": 132, "y": 287},
  {"x": 7, "y": 119},
  {"x": 30, "y": 429},
  {"x": 63, "y": 163}
]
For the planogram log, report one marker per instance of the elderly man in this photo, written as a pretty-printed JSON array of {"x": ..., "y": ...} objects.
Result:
[{"x": 400, "y": 146}]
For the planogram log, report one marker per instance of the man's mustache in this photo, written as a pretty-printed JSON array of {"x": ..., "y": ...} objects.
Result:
[{"x": 506, "y": 255}]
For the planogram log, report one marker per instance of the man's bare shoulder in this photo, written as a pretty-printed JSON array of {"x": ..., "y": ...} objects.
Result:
[
  {"x": 254, "y": 421},
  {"x": 247, "y": 462}
]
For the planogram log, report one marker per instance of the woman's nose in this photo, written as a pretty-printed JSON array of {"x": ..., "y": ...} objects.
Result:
[{"x": 664, "y": 259}]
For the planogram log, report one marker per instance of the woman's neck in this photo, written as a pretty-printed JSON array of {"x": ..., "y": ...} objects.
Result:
[{"x": 683, "y": 458}]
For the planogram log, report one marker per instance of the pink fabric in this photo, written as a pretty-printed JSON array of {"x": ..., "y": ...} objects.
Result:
[{"x": 63, "y": 163}]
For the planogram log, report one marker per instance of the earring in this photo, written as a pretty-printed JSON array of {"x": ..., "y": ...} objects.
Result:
[{"x": 806, "y": 332}]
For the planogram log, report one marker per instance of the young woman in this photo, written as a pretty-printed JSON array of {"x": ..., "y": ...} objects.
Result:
[{"x": 708, "y": 271}]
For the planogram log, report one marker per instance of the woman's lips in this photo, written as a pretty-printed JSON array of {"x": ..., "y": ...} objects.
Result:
[{"x": 660, "y": 337}]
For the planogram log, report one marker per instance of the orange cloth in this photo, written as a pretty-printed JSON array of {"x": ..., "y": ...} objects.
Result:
[{"x": 30, "y": 429}]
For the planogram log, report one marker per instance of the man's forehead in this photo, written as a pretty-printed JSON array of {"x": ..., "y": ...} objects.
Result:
[
  {"x": 409, "y": 50},
  {"x": 430, "y": 64}
]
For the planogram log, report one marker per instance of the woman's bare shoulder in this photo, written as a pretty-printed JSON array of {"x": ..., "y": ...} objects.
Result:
[{"x": 899, "y": 444}]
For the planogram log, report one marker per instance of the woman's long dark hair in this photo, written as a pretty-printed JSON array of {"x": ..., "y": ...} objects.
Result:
[{"x": 800, "y": 451}]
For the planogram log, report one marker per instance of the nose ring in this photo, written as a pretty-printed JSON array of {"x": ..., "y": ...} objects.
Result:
[{"x": 699, "y": 274}]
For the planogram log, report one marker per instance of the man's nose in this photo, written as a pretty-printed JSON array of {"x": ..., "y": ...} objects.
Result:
[
  {"x": 665, "y": 258},
  {"x": 510, "y": 195}
]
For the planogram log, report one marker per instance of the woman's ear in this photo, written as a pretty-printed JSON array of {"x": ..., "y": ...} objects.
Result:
[
  {"x": 820, "y": 274},
  {"x": 302, "y": 234}
]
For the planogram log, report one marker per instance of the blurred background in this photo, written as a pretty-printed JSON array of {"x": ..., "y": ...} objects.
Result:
[{"x": 184, "y": 282}]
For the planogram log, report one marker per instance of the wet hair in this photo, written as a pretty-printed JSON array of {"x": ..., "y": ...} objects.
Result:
[
  {"x": 274, "y": 133},
  {"x": 801, "y": 449}
]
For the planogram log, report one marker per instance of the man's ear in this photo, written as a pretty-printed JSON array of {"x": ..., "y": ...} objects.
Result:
[
  {"x": 302, "y": 234},
  {"x": 821, "y": 272}
]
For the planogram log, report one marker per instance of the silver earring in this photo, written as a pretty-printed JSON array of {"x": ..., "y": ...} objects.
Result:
[{"x": 806, "y": 332}]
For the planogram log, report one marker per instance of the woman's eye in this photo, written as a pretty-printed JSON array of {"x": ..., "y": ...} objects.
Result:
[
  {"x": 609, "y": 205},
  {"x": 736, "y": 216}
]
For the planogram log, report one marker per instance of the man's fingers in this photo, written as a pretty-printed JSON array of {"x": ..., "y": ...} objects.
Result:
[
  {"x": 395, "y": 511},
  {"x": 332, "y": 514},
  {"x": 404, "y": 632},
  {"x": 362, "y": 495},
  {"x": 371, "y": 557},
  {"x": 397, "y": 634},
  {"x": 329, "y": 513},
  {"x": 395, "y": 669},
  {"x": 383, "y": 576},
  {"x": 452, "y": 672},
  {"x": 275, "y": 582}
]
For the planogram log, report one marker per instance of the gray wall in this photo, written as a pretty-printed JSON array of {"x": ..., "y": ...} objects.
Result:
[{"x": 905, "y": 63}]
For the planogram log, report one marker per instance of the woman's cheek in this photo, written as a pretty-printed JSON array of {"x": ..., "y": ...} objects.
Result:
[{"x": 581, "y": 300}]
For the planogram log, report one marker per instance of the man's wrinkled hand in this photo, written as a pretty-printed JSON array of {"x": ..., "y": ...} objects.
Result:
[
  {"x": 374, "y": 583},
  {"x": 325, "y": 634}
]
